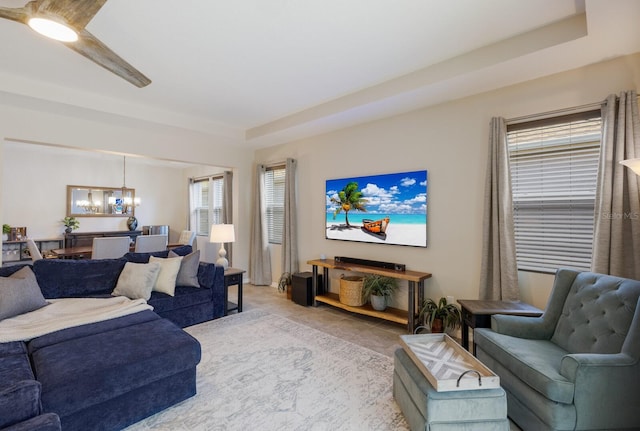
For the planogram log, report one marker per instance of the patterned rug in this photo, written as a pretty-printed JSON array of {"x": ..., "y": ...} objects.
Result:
[{"x": 263, "y": 371}]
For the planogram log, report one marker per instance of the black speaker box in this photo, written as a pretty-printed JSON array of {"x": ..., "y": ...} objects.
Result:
[{"x": 301, "y": 287}]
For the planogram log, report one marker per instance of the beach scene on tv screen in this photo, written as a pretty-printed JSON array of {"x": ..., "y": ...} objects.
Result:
[{"x": 384, "y": 209}]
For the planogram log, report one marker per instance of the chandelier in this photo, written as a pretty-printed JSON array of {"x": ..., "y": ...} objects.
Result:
[
  {"x": 88, "y": 205},
  {"x": 127, "y": 200}
]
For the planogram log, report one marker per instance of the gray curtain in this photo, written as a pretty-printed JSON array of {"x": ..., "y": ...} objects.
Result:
[
  {"x": 290, "y": 262},
  {"x": 227, "y": 208},
  {"x": 616, "y": 239},
  {"x": 499, "y": 271},
  {"x": 259, "y": 257}
]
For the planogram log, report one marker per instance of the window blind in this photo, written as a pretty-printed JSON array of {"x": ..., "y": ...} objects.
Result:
[
  {"x": 200, "y": 206},
  {"x": 207, "y": 205},
  {"x": 274, "y": 199},
  {"x": 554, "y": 168}
]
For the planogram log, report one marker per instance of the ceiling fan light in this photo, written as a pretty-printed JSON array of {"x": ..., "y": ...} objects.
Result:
[{"x": 53, "y": 29}]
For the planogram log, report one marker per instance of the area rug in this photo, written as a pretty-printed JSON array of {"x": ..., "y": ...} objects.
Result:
[{"x": 261, "y": 371}]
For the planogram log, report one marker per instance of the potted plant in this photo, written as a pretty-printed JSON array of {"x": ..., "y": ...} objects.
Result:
[
  {"x": 440, "y": 316},
  {"x": 284, "y": 284},
  {"x": 378, "y": 288},
  {"x": 6, "y": 230},
  {"x": 70, "y": 223}
]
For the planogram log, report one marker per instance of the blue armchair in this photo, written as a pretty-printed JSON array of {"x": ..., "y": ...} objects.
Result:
[{"x": 577, "y": 367}]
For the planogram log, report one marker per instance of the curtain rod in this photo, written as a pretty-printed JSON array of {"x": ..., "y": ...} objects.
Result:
[
  {"x": 206, "y": 177},
  {"x": 548, "y": 114},
  {"x": 272, "y": 165},
  {"x": 565, "y": 111}
]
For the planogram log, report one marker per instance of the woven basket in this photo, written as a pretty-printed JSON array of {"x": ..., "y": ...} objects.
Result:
[{"x": 351, "y": 290}]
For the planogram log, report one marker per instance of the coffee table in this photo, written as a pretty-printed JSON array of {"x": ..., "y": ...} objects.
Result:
[
  {"x": 477, "y": 314},
  {"x": 440, "y": 385}
]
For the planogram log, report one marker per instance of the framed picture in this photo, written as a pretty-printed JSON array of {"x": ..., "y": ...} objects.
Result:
[{"x": 383, "y": 209}]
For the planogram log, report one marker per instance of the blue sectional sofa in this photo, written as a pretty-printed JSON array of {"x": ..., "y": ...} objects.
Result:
[{"x": 110, "y": 374}]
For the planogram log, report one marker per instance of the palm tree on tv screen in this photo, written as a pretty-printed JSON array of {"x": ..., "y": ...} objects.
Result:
[{"x": 349, "y": 198}]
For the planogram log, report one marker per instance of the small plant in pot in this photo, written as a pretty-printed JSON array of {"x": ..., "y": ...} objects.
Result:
[
  {"x": 440, "y": 316},
  {"x": 378, "y": 289},
  {"x": 6, "y": 230},
  {"x": 70, "y": 223},
  {"x": 284, "y": 284}
]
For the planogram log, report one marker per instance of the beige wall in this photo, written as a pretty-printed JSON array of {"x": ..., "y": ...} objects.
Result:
[
  {"x": 34, "y": 189},
  {"x": 450, "y": 141},
  {"x": 24, "y": 119}
]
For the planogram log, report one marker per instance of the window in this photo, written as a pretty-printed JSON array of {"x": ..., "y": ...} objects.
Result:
[
  {"x": 554, "y": 168},
  {"x": 206, "y": 204},
  {"x": 274, "y": 197}
]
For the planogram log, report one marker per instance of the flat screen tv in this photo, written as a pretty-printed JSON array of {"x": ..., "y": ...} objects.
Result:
[{"x": 382, "y": 209}]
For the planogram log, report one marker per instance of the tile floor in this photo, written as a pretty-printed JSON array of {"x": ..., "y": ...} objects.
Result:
[{"x": 369, "y": 332}]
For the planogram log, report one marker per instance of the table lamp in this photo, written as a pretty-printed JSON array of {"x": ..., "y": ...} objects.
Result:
[{"x": 221, "y": 233}]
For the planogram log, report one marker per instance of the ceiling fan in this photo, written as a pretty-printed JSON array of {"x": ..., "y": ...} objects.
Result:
[{"x": 71, "y": 17}]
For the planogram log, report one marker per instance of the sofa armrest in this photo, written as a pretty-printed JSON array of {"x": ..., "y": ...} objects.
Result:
[
  {"x": 533, "y": 328},
  {"x": 583, "y": 365},
  {"x": 19, "y": 401},
  {"x": 44, "y": 422},
  {"x": 602, "y": 383},
  {"x": 211, "y": 276}
]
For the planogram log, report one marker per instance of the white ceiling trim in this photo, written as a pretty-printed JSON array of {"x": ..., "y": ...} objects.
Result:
[{"x": 401, "y": 94}]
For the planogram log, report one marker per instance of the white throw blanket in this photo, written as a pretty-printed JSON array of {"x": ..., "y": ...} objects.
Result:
[{"x": 66, "y": 313}]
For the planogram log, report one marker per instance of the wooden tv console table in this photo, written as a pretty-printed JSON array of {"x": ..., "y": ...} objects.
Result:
[{"x": 405, "y": 317}]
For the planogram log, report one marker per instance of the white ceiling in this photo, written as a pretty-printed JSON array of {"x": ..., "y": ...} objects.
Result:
[{"x": 267, "y": 71}]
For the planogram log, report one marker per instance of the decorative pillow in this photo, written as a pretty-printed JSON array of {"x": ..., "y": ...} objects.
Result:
[
  {"x": 188, "y": 274},
  {"x": 20, "y": 293},
  {"x": 166, "y": 282},
  {"x": 137, "y": 280}
]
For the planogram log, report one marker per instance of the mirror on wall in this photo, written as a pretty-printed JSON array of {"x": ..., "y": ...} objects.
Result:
[{"x": 87, "y": 201}]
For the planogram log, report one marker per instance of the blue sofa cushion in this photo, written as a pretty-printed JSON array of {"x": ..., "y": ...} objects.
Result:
[
  {"x": 184, "y": 296},
  {"x": 182, "y": 250},
  {"x": 535, "y": 362},
  {"x": 44, "y": 422},
  {"x": 134, "y": 257},
  {"x": 14, "y": 368},
  {"x": 19, "y": 402},
  {"x": 19, "y": 391},
  {"x": 12, "y": 348},
  {"x": 78, "y": 332},
  {"x": 6, "y": 271},
  {"x": 80, "y": 373},
  {"x": 66, "y": 278}
]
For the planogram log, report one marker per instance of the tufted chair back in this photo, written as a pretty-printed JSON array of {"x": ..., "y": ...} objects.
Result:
[{"x": 597, "y": 314}]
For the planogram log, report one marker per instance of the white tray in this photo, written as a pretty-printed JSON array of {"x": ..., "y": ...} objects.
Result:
[{"x": 446, "y": 365}]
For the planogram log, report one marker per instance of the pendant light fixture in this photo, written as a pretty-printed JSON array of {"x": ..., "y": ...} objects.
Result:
[{"x": 128, "y": 200}]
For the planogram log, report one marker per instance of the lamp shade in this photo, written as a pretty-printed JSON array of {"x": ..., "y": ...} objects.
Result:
[
  {"x": 222, "y": 233},
  {"x": 633, "y": 164}
]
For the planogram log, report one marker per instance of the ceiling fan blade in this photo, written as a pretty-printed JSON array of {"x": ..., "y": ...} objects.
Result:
[
  {"x": 20, "y": 14},
  {"x": 90, "y": 47},
  {"x": 77, "y": 13}
]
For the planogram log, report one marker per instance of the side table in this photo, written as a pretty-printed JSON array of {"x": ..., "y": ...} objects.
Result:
[
  {"x": 477, "y": 314},
  {"x": 232, "y": 276}
]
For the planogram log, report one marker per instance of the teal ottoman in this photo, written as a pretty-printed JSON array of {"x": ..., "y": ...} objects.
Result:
[{"x": 424, "y": 408}]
